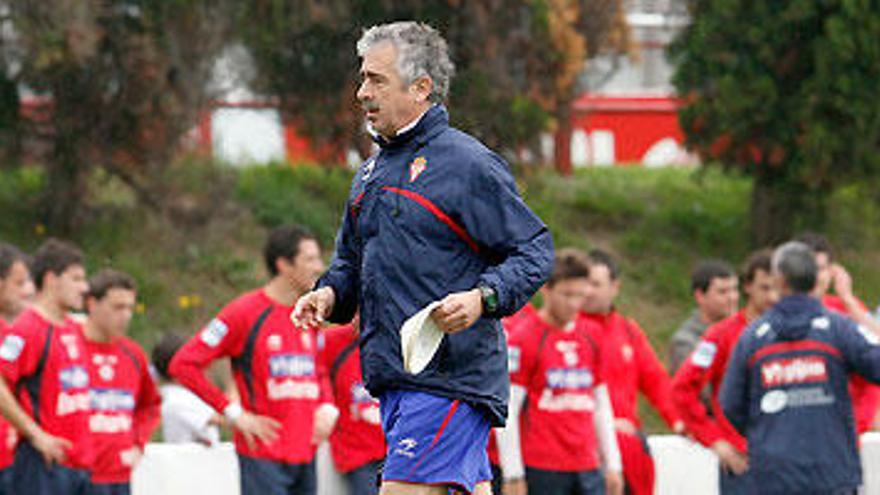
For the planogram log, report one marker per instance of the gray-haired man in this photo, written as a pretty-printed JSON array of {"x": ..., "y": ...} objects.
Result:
[
  {"x": 786, "y": 387},
  {"x": 433, "y": 217}
]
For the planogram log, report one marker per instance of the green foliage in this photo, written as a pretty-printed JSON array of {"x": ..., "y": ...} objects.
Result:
[
  {"x": 661, "y": 220},
  {"x": 120, "y": 83},
  {"x": 306, "y": 195},
  {"x": 783, "y": 91}
]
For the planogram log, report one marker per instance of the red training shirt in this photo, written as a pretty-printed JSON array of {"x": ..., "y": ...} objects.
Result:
[
  {"x": 125, "y": 406},
  {"x": 630, "y": 366},
  {"x": 275, "y": 368},
  {"x": 46, "y": 366},
  {"x": 706, "y": 366},
  {"x": 560, "y": 370}
]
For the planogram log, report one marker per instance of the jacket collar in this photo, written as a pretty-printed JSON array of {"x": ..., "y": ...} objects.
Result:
[
  {"x": 799, "y": 302},
  {"x": 432, "y": 122}
]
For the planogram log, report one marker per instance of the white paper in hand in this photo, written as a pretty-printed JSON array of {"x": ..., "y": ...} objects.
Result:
[{"x": 420, "y": 338}]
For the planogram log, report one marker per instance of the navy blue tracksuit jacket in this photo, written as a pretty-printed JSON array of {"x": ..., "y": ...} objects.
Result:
[
  {"x": 436, "y": 212},
  {"x": 786, "y": 391}
]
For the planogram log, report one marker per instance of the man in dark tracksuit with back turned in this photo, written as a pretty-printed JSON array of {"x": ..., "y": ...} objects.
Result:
[
  {"x": 786, "y": 387},
  {"x": 434, "y": 216}
]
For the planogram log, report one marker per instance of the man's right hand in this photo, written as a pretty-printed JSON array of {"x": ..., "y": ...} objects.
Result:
[
  {"x": 312, "y": 308},
  {"x": 256, "y": 428},
  {"x": 730, "y": 458},
  {"x": 514, "y": 487},
  {"x": 52, "y": 448}
]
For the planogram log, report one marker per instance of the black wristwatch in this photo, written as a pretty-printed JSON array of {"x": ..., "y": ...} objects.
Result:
[{"x": 489, "y": 298}]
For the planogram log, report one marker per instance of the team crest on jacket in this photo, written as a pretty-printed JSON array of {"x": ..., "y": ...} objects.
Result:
[{"x": 417, "y": 167}]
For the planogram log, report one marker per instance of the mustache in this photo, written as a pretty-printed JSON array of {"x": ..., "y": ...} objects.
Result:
[{"x": 370, "y": 106}]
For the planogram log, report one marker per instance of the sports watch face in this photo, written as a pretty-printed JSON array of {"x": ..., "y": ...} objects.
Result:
[{"x": 490, "y": 299}]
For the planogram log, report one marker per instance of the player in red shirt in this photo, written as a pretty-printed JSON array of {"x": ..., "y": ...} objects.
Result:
[
  {"x": 865, "y": 396},
  {"x": 357, "y": 443},
  {"x": 706, "y": 366},
  {"x": 16, "y": 292},
  {"x": 43, "y": 359},
  {"x": 629, "y": 366},
  {"x": 285, "y": 409},
  {"x": 125, "y": 400},
  {"x": 566, "y": 429}
]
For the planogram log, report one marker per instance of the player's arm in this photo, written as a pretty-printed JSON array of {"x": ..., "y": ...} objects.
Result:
[
  {"x": 855, "y": 308},
  {"x": 509, "y": 446},
  {"x": 734, "y": 393},
  {"x": 148, "y": 406},
  {"x": 521, "y": 361},
  {"x": 326, "y": 414},
  {"x": 498, "y": 219},
  {"x": 223, "y": 337},
  {"x": 654, "y": 382},
  {"x": 860, "y": 347},
  {"x": 688, "y": 383},
  {"x": 603, "y": 422},
  {"x": 19, "y": 356}
]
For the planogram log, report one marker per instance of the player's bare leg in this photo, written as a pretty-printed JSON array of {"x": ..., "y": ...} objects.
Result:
[{"x": 484, "y": 488}]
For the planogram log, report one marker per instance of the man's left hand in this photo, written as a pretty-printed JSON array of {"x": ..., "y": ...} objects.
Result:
[{"x": 458, "y": 311}]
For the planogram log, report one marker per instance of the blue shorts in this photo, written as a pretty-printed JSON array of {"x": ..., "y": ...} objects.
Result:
[
  {"x": 109, "y": 489},
  {"x": 433, "y": 440},
  {"x": 30, "y": 475}
]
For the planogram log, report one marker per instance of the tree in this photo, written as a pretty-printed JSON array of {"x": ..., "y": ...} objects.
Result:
[
  {"x": 517, "y": 61},
  {"x": 121, "y": 81},
  {"x": 783, "y": 92}
]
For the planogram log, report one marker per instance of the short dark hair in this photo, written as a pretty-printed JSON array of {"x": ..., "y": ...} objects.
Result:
[
  {"x": 796, "y": 262},
  {"x": 758, "y": 260},
  {"x": 604, "y": 258},
  {"x": 164, "y": 352},
  {"x": 708, "y": 270},
  {"x": 107, "y": 279},
  {"x": 283, "y": 242},
  {"x": 569, "y": 264},
  {"x": 817, "y": 242},
  {"x": 54, "y": 256},
  {"x": 10, "y": 255}
]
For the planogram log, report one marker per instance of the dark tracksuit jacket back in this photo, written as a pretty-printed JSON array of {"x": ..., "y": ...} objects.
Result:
[{"x": 786, "y": 390}]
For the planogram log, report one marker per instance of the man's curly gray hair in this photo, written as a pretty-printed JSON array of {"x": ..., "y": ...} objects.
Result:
[{"x": 421, "y": 51}]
